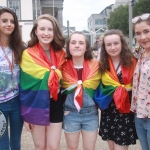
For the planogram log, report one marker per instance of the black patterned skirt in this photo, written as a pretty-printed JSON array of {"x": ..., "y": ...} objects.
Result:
[{"x": 117, "y": 127}]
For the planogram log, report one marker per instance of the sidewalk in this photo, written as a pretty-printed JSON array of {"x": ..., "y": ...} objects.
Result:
[{"x": 27, "y": 143}]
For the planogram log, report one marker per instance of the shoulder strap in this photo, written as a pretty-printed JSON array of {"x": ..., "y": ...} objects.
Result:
[{"x": 117, "y": 67}]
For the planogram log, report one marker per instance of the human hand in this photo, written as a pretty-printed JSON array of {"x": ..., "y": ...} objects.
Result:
[{"x": 28, "y": 126}]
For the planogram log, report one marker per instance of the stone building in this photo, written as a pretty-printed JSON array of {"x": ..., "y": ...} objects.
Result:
[{"x": 28, "y": 10}]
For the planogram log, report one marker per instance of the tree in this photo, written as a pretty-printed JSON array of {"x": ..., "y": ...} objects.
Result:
[
  {"x": 119, "y": 19},
  {"x": 141, "y": 7}
]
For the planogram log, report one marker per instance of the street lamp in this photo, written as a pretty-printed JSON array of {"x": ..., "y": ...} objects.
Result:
[
  {"x": 35, "y": 9},
  {"x": 53, "y": 9},
  {"x": 130, "y": 24},
  {"x": 104, "y": 19}
]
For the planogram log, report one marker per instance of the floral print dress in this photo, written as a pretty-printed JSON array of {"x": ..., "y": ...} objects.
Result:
[
  {"x": 141, "y": 87},
  {"x": 117, "y": 127}
]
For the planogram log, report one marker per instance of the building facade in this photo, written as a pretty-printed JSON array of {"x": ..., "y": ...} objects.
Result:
[
  {"x": 28, "y": 10},
  {"x": 98, "y": 21}
]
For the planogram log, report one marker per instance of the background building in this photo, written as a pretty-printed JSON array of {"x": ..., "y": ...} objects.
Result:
[
  {"x": 98, "y": 21},
  {"x": 28, "y": 10}
]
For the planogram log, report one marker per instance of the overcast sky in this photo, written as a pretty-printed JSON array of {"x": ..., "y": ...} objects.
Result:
[{"x": 78, "y": 11}]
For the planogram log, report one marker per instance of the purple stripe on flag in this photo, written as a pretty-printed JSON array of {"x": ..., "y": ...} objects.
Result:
[{"x": 36, "y": 115}]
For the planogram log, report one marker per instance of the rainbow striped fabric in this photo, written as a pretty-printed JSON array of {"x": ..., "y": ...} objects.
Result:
[
  {"x": 39, "y": 80},
  {"x": 90, "y": 80},
  {"x": 111, "y": 88}
]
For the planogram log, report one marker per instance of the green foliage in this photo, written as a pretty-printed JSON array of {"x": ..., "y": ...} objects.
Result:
[
  {"x": 141, "y": 7},
  {"x": 119, "y": 18}
]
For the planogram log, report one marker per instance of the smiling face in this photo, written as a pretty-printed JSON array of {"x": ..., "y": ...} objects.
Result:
[
  {"x": 142, "y": 33},
  {"x": 77, "y": 45},
  {"x": 44, "y": 32},
  {"x": 113, "y": 45},
  {"x": 7, "y": 25}
]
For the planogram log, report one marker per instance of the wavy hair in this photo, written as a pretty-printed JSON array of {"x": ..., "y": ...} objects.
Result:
[
  {"x": 88, "y": 53},
  {"x": 15, "y": 41},
  {"x": 58, "y": 41},
  {"x": 126, "y": 54}
]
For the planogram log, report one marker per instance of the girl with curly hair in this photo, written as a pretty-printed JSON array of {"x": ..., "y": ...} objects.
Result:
[{"x": 114, "y": 93}]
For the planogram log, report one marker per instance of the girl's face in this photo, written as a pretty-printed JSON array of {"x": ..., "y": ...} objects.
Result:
[
  {"x": 113, "y": 45},
  {"x": 142, "y": 33},
  {"x": 44, "y": 32},
  {"x": 77, "y": 46},
  {"x": 7, "y": 25}
]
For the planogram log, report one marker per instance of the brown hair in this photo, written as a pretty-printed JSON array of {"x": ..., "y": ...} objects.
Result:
[
  {"x": 126, "y": 54},
  {"x": 140, "y": 20},
  {"x": 88, "y": 53},
  {"x": 58, "y": 41},
  {"x": 15, "y": 42}
]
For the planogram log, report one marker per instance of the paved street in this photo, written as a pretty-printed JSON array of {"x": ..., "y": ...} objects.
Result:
[{"x": 27, "y": 143}]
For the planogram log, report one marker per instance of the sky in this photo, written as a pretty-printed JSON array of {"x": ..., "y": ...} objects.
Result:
[{"x": 77, "y": 12}]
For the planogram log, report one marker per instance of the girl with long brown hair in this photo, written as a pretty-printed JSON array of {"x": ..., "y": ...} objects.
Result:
[{"x": 11, "y": 47}]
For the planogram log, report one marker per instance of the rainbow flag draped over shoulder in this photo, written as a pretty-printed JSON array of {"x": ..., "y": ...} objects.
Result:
[
  {"x": 111, "y": 88},
  {"x": 90, "y": 80},
  {"x": 39, "y": 80}
]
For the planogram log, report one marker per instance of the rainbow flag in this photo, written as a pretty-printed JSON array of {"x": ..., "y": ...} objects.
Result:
[
  {"x": 111, "y": 88},
  {"x": 90, "y": 80},
  {"x": 39, "y": 80}
]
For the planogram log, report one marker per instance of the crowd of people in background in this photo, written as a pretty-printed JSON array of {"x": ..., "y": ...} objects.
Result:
[{"x": 49, "y": 88}]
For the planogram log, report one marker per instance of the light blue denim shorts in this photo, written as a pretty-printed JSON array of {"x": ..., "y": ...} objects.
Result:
[{"x": 87, "y": 119}]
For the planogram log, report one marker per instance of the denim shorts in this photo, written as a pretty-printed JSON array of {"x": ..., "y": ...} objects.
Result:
[{"x": 87, "y": 119}]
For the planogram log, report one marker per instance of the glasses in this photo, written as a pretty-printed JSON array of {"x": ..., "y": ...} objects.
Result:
[
  {"x": 142, "y": 17},
  {"x": 2, "y": 7}
]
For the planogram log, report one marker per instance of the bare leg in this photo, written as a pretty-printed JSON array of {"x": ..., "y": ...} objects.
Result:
[
  {"x": 72, "y": 140},
  {"x": 119, "y": 147},
  {"x": 39, "y": 137},
  {"x": 89, "y": 140},
  {"x": 114, "y": 146},
  {"x": 53, "y": 136}
]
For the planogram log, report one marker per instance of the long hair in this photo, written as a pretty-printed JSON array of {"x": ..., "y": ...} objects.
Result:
[
  {"x": 15, "y": 41},
  {"x": 125, "y": 55},
  {"x": 58, "y": 41},
  {"x": 88, "y": 53}
]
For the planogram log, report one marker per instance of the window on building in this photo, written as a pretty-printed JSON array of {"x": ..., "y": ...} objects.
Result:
[
  {"x": 104, "y": 20},
  {"x": 15, "y": 4},
  {"x": 98, "y": 21},
  {"x": 91, "y": 22}
]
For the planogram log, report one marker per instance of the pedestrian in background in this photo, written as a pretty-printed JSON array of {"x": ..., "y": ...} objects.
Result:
[
  {"x": 100, "y": 40},
  {"x": 81, "y": 77},
  {"x": 41, "y": 102},
  {"x": 11, "y": 47},
  {"x": 95, "y": 50},
  {"x": 141, "y": 82},
  {"x": 114, "y": 94},
  {"x": 137, "y": 50}
]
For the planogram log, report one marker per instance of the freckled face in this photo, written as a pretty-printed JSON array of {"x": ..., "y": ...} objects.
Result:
[
  {"x": 44, "y": 32},
  {"x": 77, "y": 45},
  {"x": 7, "y": 25},
  {"x": 113, "y": 45}
]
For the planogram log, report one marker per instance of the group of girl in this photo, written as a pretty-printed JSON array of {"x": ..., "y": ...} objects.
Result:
[{"x": 53, "y": 89}]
